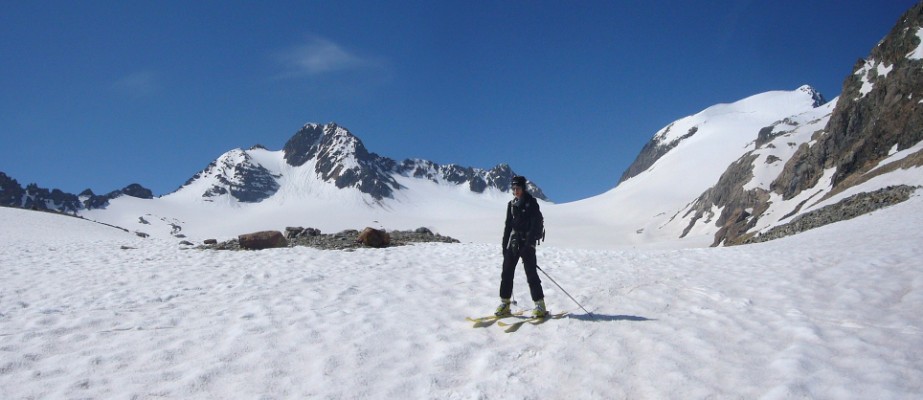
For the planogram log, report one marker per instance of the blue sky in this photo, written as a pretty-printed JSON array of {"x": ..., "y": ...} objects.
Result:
[{"x": 101, "y": 94}]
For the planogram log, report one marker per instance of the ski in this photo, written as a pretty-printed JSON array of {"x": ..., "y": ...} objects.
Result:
[
  {"x": 485, "y": 321},
  {"x": 536, "y": 321},
  {"x": 513, "y": 327}
]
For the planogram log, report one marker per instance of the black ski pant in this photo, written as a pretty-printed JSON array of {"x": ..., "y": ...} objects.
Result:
[{"x": 510, "y": 259}]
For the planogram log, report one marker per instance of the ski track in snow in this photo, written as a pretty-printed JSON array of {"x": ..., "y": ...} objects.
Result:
[{"x": 832, "y": 313}]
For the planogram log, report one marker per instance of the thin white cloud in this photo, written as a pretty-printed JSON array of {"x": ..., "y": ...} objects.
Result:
[
  {"x": 140, "y": 83},
  {"x": 318, "y": 56}
]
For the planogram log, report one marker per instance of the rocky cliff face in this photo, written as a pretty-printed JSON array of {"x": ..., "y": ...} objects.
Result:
[
  {"x": 237, "y": 174},
  {"x": 879, "y": 113},
  {"x": 655, "y": 149},
  {"x": 11, "y": 192},
  {"x": 341, "y": 158}
]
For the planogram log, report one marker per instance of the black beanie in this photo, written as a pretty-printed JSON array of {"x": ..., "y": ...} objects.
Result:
[{"x": 519, "y": 181}]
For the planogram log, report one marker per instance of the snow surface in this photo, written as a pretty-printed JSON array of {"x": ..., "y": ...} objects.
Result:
[
  {"x": 830, "y": 313},
  {"x": 917, "y": 54}
]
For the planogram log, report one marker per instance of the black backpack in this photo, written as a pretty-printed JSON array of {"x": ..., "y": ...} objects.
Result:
[{"x": 541, "y": 225}]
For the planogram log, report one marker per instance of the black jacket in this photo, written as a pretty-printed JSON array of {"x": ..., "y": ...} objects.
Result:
[{"x": 524, "y": 221}]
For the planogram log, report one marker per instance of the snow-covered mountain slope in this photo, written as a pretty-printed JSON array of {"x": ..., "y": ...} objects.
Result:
[
  {"x": 754, "y": 109},
  {"x": 699, "y": 149},
  {"x": 302, "y": 200},
  {"x": 330, "y": 154},
  {"x": 732, "y": 158},
  {"x": 323, "y": 178},
  {"x": 865, "y": 153},
  {"x": 773, "y": 164}
]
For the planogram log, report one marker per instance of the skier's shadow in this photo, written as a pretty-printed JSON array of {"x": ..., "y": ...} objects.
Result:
[{"x": 607, "y": 318}]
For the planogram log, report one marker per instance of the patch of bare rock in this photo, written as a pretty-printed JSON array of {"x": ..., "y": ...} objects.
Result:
[{"x": 346, "y": 240}]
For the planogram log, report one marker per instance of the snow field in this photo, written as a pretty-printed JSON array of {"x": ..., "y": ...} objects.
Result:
[{"x": 831, "y": 313}]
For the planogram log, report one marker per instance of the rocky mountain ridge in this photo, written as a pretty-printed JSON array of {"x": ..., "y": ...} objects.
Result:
[
  {"x": 336, "y": 156},
  {"x": 34, "y": 197},
  {"x": 878, "y": 116}
]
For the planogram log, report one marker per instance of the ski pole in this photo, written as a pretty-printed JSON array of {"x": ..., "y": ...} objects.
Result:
[{"x": 562, "y": 289}]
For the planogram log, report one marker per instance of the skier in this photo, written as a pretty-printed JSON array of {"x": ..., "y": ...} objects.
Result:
[{"x": 522, "y": 230}]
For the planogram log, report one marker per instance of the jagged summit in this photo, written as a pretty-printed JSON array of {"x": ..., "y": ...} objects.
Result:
[
  {"x": 331, "y": 154},
  {"x": 237, "y": 174},
  {"x": 341, "y": 158},
  {"x": 818, "y": 98},
  {"x": 323, "y": 141},
  {"x": 478, "y": 180}
]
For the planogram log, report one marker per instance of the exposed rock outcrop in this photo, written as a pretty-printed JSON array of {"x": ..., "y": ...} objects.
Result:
[
  {"x": 737, "y": 204},
  {"x": 345, "y": 240},
  {"x": 846, "y": 209},
  {"x": 878, "y": 110},
  {"x": 262, "y": 240},
  {"x": 653, "y": 150}
]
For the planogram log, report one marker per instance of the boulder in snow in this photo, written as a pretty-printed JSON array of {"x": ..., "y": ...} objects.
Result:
[
  {"x": 374, "y": 238},
  {"x": 262, "y": 240}
]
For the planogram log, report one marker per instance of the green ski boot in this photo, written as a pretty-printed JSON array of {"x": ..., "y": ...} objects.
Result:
[
  {"x": 540, "y": 311},
  {"x": 503, "y": 309}
]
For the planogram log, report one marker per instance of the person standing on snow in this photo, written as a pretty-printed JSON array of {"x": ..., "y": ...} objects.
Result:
[{"x": 523, "y": 229}]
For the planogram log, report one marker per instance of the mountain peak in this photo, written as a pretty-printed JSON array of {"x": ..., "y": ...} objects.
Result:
[
  {"x": 757, "y": 110},
  {"x": 818, "y": 98},
  {"x": 328, "y": 141},
  {"x": 331, "y": 153},
  {"x": 237, "y": 174},
  {"x": 341, "y": 158}
]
